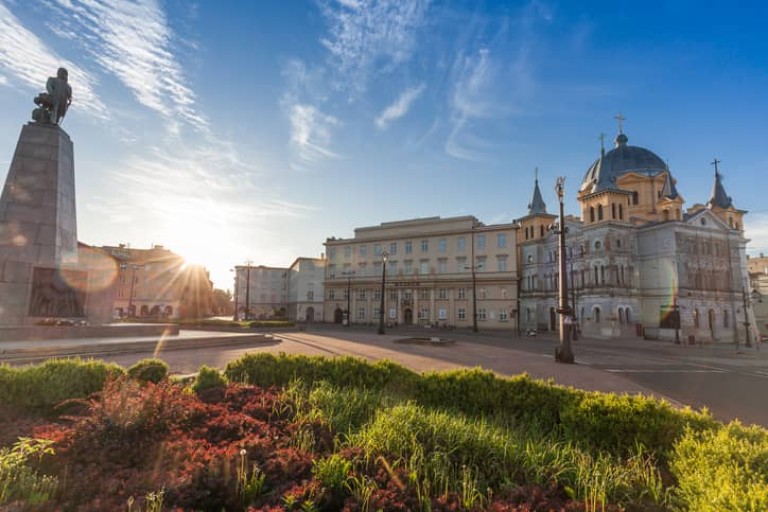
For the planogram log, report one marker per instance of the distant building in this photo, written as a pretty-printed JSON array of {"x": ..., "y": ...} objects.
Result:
[
  {"x": 261, "y": 292},
  {"x": 433, "y": 265},
  {"x": 158, "y": 283},
  {"x": 638, "y": 264},
  {"x": 305, "y": 289}
]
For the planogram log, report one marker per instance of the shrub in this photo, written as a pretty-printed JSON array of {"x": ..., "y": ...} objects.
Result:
[
  {"x": 52, "y": 382},
  {"x": 208, "y": 378},
  {"x": 618, "y": 423},
  {"x": 724, "y": 469},
  {"x": 149, "y": 370}
]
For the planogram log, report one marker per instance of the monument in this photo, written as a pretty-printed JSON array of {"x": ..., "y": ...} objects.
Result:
[{"x": 40, "y": 276}]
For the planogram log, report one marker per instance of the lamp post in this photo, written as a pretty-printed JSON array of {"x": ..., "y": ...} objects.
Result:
[
  {"x": 563, "y": 353},
  {"x": 248, "y": 289},
  {"x": 349, "y": 275},
  {"x": 235, "y": 315},
  {"x": 384, "y": 256},
  {"x": 134, "y": 268}
]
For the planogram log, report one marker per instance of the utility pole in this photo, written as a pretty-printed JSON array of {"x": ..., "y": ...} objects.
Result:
[
  {"x": 349, "y": 275},
  {"x": 248, "y": 289},
  {"x": 384, "y": 256},
  {"x": 563, "y": 353}
]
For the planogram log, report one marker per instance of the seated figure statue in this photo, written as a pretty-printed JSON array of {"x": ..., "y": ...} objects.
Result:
[{"x": 53, "y": 104}]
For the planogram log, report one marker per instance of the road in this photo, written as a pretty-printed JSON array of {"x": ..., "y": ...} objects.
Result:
[{"x": 730, "y": 384}]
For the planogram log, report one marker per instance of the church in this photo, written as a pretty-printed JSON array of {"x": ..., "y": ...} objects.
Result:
[{"x": 638, "y": 263}]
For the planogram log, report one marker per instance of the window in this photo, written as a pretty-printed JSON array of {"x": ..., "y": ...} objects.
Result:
[
  {"x": 635, "y": 198},
  {"x": 462, "y": 294},
  {"x": 442, "y": 314},
  {"x": 621, "y": 211},
  {"x": 613, "y": 210},
  {"x": 597, "y": 315},
  {"x": 423, "y": 293},
  {"x": 377, "y": 250},
  {"x": 462, "y": 314},
  {"x": 392, "y": 268},
  {"x": 393, "y": 248},
  {"x": 311, "y": 295},
  {"x": 347, "y": 251},
  {"x": 526, "y": 232},
  {"x": 425, "y": 246},
  {"x": 424, "y": 313},
  {"x": 377, "y": 294},
  {"x": 424, "y": 267},
  {"x": 361, "y": 313},
  {"x": 541, "y": 229},
  {"x": 503, "y": 315},
  {"x": 363, "y": 251},
  {"x": 599, "y": 212},
  {"x": 377, "y": 313},
  {"x": 482, "y": 314},
  {"x": 393, "y": 295},
  {"x": 331, "y": 253},
  {"x": 331, "y": 294},
  {"x": 481, "y": 294},
  {"x": 481, "y": 263},
  {"x": 442, "y": 245},
  {"x": 503, "y": 293},
  {"x": 442, "y": 265},
  {"x": 408, "y": 267},
  {"x": 598, "y": 245},
  {"x": 696, "y": 318},
  {"x": 442, "y": 293},
  {"x": 332, "y": 271},
  {"x": 377, "y": 268},
  {"x": 461, "y": 244},
  {"x": 408, "y": 247},
  {"x": 461, "y": 264},
  {"x": 501, "y": 263},
  {"x": 591, "y": 214},
  {"x": 481, "y": 242},
  {"x": 501, "y": 240},
  {"x": 361, "y": 294},
  {"x": 726, "y": 320},
  {"x": 408, "y": 295}
]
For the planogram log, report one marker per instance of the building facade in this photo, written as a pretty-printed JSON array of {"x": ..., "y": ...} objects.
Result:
[
  {"x": 261, "y": 292},
  {"x": 638, "y": 264},
  {"x": 158, "y": 283},
  {"x": 758, "y": 296},
  {"x": 305, "y": 290},
  {"x": 451, "y": 272}
]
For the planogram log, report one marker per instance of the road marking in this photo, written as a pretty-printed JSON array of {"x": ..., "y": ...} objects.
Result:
[{"x": 661, "y": 370}]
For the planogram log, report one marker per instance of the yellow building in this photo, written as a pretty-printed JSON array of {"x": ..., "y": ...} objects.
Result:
[{"x": 450, "y": 273}]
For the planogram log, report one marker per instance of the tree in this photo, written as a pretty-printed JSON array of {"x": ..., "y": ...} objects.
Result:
[{"x": 222, "y": 302}]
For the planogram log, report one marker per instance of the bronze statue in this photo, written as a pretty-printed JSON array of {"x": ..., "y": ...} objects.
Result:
[{"x": 52, "y": 105}]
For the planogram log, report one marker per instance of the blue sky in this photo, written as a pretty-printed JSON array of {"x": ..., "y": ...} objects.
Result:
[{"x": 234, "y": 130}]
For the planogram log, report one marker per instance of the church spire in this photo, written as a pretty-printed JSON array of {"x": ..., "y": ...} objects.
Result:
[
  {"x": 719, "y": 198},
  {"x": 537, "y": 205},
  {"x": 669, "y": 190}
]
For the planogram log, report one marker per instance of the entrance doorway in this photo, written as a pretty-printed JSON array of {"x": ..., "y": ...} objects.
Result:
[
  {"x": 338, "y": 316},
  {"x": 408, "y": 316}
]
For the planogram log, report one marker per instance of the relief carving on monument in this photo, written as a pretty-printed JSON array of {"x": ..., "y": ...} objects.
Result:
[{"x": 58, "y": 293}]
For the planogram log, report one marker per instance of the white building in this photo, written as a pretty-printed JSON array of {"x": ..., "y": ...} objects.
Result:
[
  {"x": 305, "y": 289},
  {"x": 432, "y": 267},
  {"x": 261, "y": 292},
  {"x": 637, "y": 263}
]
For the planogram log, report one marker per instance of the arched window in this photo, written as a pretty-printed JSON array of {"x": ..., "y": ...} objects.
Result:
[
  {"x": 696, "y": 318},
  {"x": 591, "y": 214},
  {"x": 635, "y": 198},
  {"x": 597, "y": 315},
  {"x": 726, "y": 320},
  {"x": 613, "y": 210},
  {"x": 621, "y": 211},
  {"x": 602, "y": 274},
  {"x": 628, "y": 315},
  {"x": 541, "y": 231},
  {"x": 597, "y": 281},
  {"x": 621, "y": 315},
  {"x": 599, "y": 212}
]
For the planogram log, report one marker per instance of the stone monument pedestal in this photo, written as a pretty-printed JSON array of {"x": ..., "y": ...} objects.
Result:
[{"x": 39, "y": 272}]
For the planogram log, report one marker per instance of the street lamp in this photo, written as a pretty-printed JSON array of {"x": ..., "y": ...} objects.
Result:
[
  {"x": 134, "y": 268},
  {"x": 563, "y": 353},
  {"x": 348, "y": 275},
  {"x": 384, "y": 257},
  {"x": 248, "y": 289},
  {"x": 235, "y": 316}
]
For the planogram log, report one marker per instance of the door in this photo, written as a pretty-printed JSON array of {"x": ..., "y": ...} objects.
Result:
[{"x": 408, "y": 316}]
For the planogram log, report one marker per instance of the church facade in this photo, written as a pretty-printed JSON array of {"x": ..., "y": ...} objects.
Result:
[{"x": 638, "y": 264}]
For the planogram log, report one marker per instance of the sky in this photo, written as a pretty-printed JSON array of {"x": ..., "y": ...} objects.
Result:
[{"x": 232, "y": 131}]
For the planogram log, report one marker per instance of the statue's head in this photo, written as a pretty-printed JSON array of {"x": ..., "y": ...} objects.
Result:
[{"x": 62, "y": 73}]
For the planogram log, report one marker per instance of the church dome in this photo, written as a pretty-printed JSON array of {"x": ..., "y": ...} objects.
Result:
[{"x": 621, "y": 160}]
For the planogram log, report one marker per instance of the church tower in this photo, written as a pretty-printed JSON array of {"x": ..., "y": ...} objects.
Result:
[
  {"x": 534, "y": 225},
  {"x": 721, "y": 203}
]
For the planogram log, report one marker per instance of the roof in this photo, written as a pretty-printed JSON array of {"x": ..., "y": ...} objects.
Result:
[
  {"x": 622, "y": 159},
  {"x": 718, "y": 197},
  {"x": 537, "y": 205}
]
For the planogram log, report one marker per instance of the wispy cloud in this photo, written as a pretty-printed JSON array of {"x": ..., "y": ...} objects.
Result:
[
  {"x": 311, "y": 132},
  {"x": 757, "y": 231},
  {"x": 371, "y": 36},
  {"x": 29, "y": 61},
  {"x": 400, "y": 106},
  {"x": 133, "y": 41},
  {"x": 3, "y": 80}
]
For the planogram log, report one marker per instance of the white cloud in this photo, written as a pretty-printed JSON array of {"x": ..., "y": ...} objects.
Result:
[
  {"x": 366, "y": 37},
  {"x": 756, "y": 229},
  {"x": 133, "y": 41},
  {"x": 3, "y": 80},
  {"x": 400, "y": 106},
  {"x": 311, "y": 132},
  {"x": 29, "y": 61}
]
